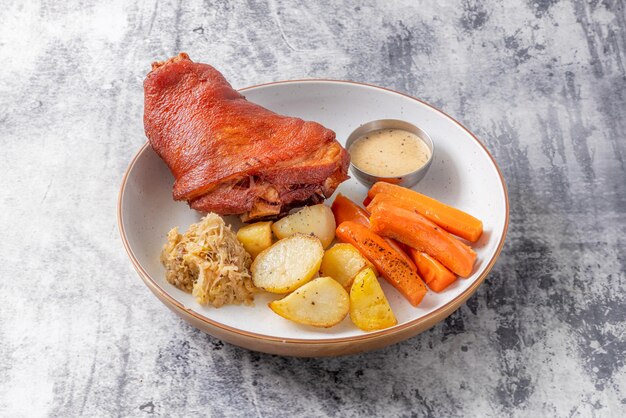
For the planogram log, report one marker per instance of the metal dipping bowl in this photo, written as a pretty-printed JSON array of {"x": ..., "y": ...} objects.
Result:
[{"x": 407, "y": 180}]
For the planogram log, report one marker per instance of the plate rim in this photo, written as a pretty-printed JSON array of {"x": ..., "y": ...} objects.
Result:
[{"x": 426, "y": 321}]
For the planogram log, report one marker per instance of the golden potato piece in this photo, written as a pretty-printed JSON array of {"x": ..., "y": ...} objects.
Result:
[
  {"x": 343, "y": 262},
  {"x": 288, "y": 264},
  {"x": 321, "y": 302},
  {"x": 255, "y": 237},
  {"x": 369, "y": 308},
  {"x": 318, "y": 220}
]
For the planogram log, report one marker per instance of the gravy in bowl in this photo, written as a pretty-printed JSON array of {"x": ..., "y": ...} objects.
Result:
[{"x": 389, "y": 152}]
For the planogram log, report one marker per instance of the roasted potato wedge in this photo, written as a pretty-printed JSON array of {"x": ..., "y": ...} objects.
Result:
[
  {"x": 343, "y": 262},
  {"x": 322, "y": 302},
  {"x": 369, "y": 308},
  {"x": 318, "y": 220},
  {"x": 255, "y": 237},
  {"x": 288, "y": 264}
]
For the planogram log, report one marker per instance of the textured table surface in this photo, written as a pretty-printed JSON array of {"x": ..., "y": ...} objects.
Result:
[{"x": 541, "y": 82}]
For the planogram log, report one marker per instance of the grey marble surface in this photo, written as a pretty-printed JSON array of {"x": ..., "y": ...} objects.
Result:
[{"x": 541, "y": 82}]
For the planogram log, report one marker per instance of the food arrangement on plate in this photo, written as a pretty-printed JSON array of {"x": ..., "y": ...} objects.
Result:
[{"x": 232, "y": 157}]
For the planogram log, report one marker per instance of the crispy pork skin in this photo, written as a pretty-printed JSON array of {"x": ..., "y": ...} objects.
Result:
[{"x": 231, "y": 156}]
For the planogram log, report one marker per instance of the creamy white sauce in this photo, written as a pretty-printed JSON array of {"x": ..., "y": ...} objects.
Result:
[{"x": 389, "y": 152}]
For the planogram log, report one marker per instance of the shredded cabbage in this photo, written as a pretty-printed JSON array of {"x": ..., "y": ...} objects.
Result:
[{"x": 209, "y": 262}]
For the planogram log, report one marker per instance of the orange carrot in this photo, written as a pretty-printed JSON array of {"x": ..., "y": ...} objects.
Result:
[
  {"x": 435, "y": 274},
  {"x": 451, "y": 219},
  {"x": 393, "y": 267},
  {"x": 345, "y": 209},
  {"x": 418, "y": 232},
  {"x": 401, "y": 250}
]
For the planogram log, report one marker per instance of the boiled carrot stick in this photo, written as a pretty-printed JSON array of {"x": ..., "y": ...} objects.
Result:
[
  {"x": 451, "y": 219},
  {"x": 417, "y": 232},
  {"x": 392, "y": 267},
  {"x": 436, "y": 276},
  {"x": 401, "y": 250},
  {"x": 345, "y": 209}
]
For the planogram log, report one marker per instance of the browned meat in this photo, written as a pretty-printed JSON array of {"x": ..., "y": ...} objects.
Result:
[{"x": 231, "y": 156}]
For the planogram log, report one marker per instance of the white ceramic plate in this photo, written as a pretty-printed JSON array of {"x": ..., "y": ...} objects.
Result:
[{"x": 463, "y": 174}]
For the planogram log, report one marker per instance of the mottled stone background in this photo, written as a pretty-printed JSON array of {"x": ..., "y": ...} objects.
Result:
[{"x": 542, "y": 83}]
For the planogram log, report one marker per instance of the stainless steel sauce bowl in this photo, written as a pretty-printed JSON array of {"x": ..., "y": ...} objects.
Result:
[{"x": 406, "y": 180}]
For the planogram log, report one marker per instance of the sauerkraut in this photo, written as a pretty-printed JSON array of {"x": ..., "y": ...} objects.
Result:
[{"x": 209, "y": 262}]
